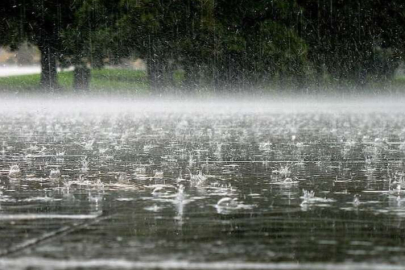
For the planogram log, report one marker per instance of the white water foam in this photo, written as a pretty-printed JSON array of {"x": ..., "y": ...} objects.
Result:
[
  {"x": 44, "y": 216},
  {"x": 41, "y": 263}
]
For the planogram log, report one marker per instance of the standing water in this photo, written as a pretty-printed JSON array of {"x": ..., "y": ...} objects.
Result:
[{"x": 201, "y": 185}]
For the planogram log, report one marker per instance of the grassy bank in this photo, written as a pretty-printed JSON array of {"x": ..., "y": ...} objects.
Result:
[
  {"x": 102, "y": 81},
  {"x": 124, "y": 81}
]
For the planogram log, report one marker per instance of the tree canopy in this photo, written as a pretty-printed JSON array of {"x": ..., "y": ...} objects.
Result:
[{"x": 221, "y": 44}]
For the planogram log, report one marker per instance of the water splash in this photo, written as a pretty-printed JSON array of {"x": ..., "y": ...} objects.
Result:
[{"x": 14, "y": 172}]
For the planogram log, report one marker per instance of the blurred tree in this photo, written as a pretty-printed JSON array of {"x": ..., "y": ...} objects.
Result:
[
  {"x": 10, "y": 29},
  {"x": 352, "y": 40},
  {"x": 217, "y": 43},
  {"x": 92, "y": 39},
  {"x": 259, "y": 42},
  {"x": 151, "y": 29},
  {"x": 391, "y": 47},
  {"x": 40, "y": 23},
  {"x": 3, "y": 21},
  {"x": 195, "y": 29}
]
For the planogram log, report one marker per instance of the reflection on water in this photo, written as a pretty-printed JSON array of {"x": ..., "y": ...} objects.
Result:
[{"x": 201, "y": 186}]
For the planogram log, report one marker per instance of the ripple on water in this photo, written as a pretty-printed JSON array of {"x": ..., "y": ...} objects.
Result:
[{"x": 270, "y": 184}]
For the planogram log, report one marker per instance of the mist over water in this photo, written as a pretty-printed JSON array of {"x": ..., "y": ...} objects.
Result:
[
  {"x": 209, "y": 104},
  {"x": 282, "y": 183}
]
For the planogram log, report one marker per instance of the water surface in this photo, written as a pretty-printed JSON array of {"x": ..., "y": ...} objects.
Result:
[{"x": 202, "y": 185}]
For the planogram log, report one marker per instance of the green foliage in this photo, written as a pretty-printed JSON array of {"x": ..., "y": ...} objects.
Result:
[
  {"x": 219, "y": 43},
  {"x": 94, "y": 37},
  {"x": 355, "y": 41}
]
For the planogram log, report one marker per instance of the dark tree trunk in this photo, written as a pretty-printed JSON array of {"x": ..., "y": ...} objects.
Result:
[
  {"x": 191, "y": 76},
  {"x": 81, "y": 78},
  {"x": 319, "y": 75},
  {"x": 155, "y": 69},
  {"x": 221, "y": 78},
  {"x": 168, "y": 79},
  {"x": 300, "y": 78},
  {"x": 48, "y": 67},
  {"x": 225, "y": 76}
]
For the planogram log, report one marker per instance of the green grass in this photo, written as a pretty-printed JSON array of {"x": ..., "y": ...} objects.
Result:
[
  {"x": 124, "y": 81},
  {"x": 102, "y": 81},
  {"x": 24, "y": 83},
  {"x": 399, "y": 81}
]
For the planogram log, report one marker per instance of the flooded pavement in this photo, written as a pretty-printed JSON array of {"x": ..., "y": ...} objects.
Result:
[{"x": 201, "y": 186}]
